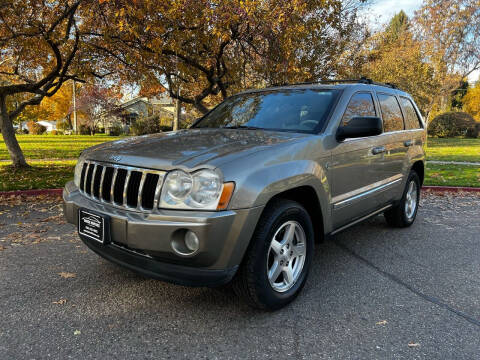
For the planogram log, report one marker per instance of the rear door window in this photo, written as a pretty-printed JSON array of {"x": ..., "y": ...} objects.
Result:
[
  {"x": 391, "y": 113},
  {"x": 412, "y": 120},
  {"x": 361, "y": 104}
]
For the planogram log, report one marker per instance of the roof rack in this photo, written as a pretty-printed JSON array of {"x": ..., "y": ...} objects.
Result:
[{"x": 362, "y": 80}]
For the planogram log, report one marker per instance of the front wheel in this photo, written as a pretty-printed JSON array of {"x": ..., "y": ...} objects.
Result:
[
  {"x": 276, "y": 264},
  {"x": 404, "y": 214}
]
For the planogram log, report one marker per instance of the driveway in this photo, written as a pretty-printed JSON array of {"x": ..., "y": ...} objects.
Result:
[{"x": 373, "y": 293}]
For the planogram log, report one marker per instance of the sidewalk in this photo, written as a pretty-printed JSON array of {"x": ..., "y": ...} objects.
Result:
[{"x": 453, "y": 162}]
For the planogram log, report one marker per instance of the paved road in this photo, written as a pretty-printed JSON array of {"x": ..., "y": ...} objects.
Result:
[{"x": 372, "y": 292}]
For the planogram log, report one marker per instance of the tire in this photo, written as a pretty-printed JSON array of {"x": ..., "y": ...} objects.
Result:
[
  {"x": 252, "y": 282},
  {"x": 402, "y": 215}
]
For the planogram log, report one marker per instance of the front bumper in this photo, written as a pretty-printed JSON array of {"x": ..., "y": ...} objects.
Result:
[{"x": 142, "y": 241}]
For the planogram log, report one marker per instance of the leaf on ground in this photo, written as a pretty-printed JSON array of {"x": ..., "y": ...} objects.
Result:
[
  {"x": 60, "y": 302},
  {"x": 67, "y": 275},
  {"x": 383, "y": 322},
  {"x": 2, "y": 248},
  {"x": 413, "y": 344},
  {"x": 77, "y": 332}
]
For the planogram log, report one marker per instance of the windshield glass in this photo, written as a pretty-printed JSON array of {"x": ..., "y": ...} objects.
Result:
[{"x": 303, "y": 110}]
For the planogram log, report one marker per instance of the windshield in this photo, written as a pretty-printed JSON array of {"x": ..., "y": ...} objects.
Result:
[{"x": 302, "y": 110}]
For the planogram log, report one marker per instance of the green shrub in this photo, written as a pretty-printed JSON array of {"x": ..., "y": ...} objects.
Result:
[
  {"x": 35, "y": 128},
  {"x": 115, "y": 130},
  {"x": 473, "y": 132},
  {"x": 143, "y": 126},
  {"x": 452, "y": 124},
  {"x": 165, "y": 128},
  {"x": 22, "y": 131},
  {"x": 84, "y": 130}
]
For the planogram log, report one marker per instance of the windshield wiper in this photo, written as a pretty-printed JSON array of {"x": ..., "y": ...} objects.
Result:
[{"x": 242, "y": 127}]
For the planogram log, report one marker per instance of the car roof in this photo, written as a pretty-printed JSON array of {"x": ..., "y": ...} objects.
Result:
[{"x": 353, "y": 87}]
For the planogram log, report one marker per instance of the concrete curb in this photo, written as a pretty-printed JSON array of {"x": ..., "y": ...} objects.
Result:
[
  {"x": 34, "y": 192},
  {"x": 451, "y": 189},
  {"x": 59, "y": 191}
]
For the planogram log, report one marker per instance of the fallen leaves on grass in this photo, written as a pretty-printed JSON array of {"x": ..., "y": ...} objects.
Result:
[
  {"x": 67, "y": 275},
  {"x": 60, "y": 302}
]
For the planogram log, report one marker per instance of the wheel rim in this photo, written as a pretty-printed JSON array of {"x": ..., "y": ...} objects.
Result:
[
  {"x": 411, "y": 200},
  {"x": 286, "y": 256}
]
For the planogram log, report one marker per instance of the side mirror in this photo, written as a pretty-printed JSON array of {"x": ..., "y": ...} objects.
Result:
[{"x": 360, "y": 127}]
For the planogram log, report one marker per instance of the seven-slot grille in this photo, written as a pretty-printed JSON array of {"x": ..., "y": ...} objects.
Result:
[{"x": 121, "y": 186}]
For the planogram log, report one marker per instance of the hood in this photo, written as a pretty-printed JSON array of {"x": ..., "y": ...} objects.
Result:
[{"x": 188, "y": 148}]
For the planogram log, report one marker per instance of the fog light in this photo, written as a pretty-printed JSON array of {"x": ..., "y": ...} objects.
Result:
[
  {"x": 191, "y": 241},
  {"x": 185, "y": 242}
]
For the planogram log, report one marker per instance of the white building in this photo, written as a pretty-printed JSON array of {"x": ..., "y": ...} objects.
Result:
[{"x": 49, "y": 125}]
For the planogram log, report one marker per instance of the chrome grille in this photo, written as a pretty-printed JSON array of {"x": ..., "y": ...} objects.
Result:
[{"x": 121, "y": 186}]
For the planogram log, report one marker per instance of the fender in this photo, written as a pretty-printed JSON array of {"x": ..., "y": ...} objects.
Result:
[{"x": 261, "y": 185}]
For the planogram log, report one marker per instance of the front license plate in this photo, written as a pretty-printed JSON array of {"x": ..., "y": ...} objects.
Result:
[{"x": 92, "y": 225}]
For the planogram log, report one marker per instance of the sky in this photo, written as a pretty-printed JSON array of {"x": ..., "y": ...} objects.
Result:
[{"x": 380, "y": 11}]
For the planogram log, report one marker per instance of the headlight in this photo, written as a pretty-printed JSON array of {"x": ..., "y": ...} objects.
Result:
[
  {"x": 78, "y": 173},
  {"x": 200, "y": 190},
  {"x": 178, "y": 186}
]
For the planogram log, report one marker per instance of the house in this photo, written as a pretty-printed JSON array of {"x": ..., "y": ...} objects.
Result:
[
  {"x": 49, "y": 125},
  {"x": 140, "y": 107}
]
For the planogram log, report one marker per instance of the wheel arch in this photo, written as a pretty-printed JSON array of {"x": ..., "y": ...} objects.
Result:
[
  {"x": 307, "y": 197},
  {"x": 419, "y": 168}
]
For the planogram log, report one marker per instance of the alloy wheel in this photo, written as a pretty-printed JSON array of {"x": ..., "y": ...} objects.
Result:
[{"x": 286, "y": 256}]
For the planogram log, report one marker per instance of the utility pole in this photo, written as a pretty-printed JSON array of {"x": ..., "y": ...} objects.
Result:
[
  {"x": 74, "y": 108},
  {"x": 176, "y": 115}
]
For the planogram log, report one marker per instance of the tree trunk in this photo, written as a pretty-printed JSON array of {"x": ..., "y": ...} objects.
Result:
[
  {"x": 200, "y": 107},
  {"x": 8, "y": 133},
  {"x": 176, "y": 115}
]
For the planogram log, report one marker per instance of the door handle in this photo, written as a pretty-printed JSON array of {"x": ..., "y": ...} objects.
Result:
[
  {"x": 378, "y": 150},
  {"x": 408, "y": 143}
]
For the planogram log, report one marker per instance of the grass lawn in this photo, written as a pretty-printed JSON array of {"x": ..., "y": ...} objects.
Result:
[
  {"x": 42, "y": 175},
  {"x": 452, "y": 175},
  {"x": 60, "y": 148},
  {"x": 54, "y": 146},
  {"x": 453, "y": 149}
]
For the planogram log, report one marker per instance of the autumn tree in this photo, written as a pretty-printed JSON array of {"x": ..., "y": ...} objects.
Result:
[
  {"x": 39, "y": 46},
  {"x": 395, "y": 56},
  {"x": 94, "y": 102},
  {"x": 471, "y": 102},
  {"x": 428, "y": 55},
  {"x": 450, "y": 33},
  {"x": 456, "y": 101},
  {"x": 204, "y": 50},
  {"x": 59, "y": 105}
]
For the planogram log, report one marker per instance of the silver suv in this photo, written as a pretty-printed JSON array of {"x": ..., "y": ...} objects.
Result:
[{"x": 244, "y": 193}]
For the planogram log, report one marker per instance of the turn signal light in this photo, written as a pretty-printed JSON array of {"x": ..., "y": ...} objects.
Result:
[{"x": 227, "y": 193}]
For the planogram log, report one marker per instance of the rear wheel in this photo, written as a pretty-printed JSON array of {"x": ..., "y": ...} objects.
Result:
[
  {"x": 405, "y": 212},
  {"x": 276, "y": 264}
]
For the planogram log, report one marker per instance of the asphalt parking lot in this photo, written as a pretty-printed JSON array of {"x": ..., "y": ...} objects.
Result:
[{"x": 373, "y": 293}]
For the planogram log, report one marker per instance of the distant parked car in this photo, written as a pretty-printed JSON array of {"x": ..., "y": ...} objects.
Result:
[{"x": 243, "y": 193}]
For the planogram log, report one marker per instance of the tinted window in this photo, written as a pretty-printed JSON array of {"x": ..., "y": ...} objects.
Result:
[
  {"x": 360, "y": 104},
  {"x": 302, "y": 110},
  {"x": 391, "y": 113},
  {"x": 412, "y": 121}
]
